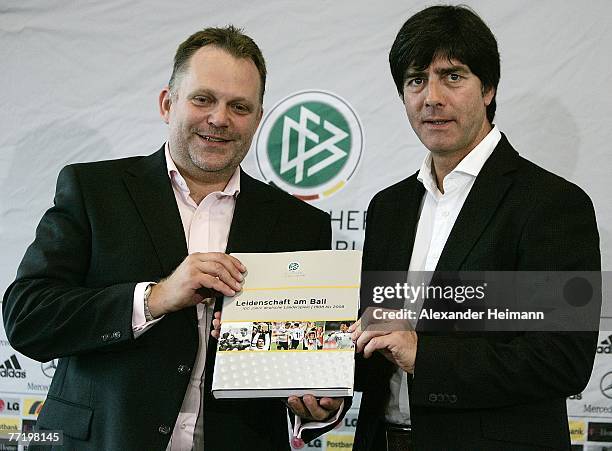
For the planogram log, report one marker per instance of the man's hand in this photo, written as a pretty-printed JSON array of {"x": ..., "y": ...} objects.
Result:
[
  {"x": 309, "y": 409},
  {"x": 397, "y": 345},
  {"x": 216, "y": 330},
  {"x": 199, "y": 276}
]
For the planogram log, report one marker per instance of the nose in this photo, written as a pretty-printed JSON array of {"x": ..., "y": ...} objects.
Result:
[
  {"x": 433, "y": 94},
  {"x": 218, "y": 116}
]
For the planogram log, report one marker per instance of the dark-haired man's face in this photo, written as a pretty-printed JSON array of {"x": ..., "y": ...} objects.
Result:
[
  {"x": 213, "y": 114},
  {"x": 446, "y": 107}
]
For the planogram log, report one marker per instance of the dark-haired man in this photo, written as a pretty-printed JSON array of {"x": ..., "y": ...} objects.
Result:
[
  {"x": 474, "y": 205},
  {"x": 119, "y": 280}
]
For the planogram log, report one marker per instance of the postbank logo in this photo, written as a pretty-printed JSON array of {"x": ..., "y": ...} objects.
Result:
[
  {"x": 310, "y": 144},
  {"x": 577, "y": 430},
  {"x": 340, "y": 442},
  {"x": 9, "y": 425}
]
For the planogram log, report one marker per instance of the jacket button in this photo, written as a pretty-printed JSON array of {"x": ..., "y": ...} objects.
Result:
[
  {"x": 183, "y": 369},
  {"x": 164, "y": 429}
]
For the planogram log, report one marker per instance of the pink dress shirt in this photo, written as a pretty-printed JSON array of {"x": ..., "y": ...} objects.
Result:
[{"x": 206, "y": 228}]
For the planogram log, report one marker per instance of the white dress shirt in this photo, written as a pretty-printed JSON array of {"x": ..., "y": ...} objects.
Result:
[{"x": 437, "y": 218}]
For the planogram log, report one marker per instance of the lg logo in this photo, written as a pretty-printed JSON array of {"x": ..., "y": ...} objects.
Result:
[{"x": 9, "y": 406}]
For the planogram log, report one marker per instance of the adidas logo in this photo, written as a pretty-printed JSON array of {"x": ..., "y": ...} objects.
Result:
[
  {"x": 605, "y": 347},
  {"x": 11, "y": 368}
]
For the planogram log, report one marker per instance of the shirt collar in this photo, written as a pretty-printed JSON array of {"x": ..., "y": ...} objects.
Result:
[
  {"x": 231, "y": 189},
  {"x": 471, "y": 164}
]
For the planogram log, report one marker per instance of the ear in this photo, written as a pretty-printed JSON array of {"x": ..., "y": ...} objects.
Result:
[
  {"x": 165, "y": 102},
  {"x": 260, "y": 116},
  {"x": 487, "y": 95}
]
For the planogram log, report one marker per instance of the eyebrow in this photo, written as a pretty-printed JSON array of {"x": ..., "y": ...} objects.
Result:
[
  {"x": 452, "y": 70},
  {"x": 414, "y": 72},
  {"x": 210, "y": 92}
]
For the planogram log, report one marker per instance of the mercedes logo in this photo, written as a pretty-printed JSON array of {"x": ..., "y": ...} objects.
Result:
[
  {"x": 606, "y": 385},
  {"x": 48, "y": 368}
]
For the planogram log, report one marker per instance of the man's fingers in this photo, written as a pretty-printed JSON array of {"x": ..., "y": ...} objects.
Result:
[
  {"x": 211, "y": 284},
  {"x": 237, "y": 263},
  {"x": 375, "y": 344},
  {"x": 309, "y": 408},
  {"x": 220, "y": 271},
  {"x": 355, "y": 326},
  {"x": 316, "y": 411},
  {"x": 216, "y": 322},
  {"x": 367, "y": 336},
  {"x": 331, "y": 404},
  {"x": 232, "y": 264},
  {"x": 355, "y": 330},
  {"x": 297, "y": 406}
]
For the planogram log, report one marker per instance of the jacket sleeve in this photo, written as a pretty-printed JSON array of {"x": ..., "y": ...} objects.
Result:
[
  {"x": 49, "y": 311},
  {"x": 479, "y": 372}
]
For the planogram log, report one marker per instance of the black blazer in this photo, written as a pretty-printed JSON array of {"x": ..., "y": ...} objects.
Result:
[
  {"x": 113, "y": 224},
  {"x": 506, "y": 391}
]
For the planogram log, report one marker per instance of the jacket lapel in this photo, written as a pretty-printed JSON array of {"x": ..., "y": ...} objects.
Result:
[
  {"x": 481, "y": 204},
  {"x": 406, "y": 208},
  {"x": 253, "y": 219},
  {"x": 149, "y": 185}
]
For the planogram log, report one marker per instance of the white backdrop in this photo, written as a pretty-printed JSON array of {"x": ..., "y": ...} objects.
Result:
[{"x": 80, "y": 82}]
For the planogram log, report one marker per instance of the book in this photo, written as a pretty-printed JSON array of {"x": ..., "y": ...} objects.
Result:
[{"x": 286, "y": 333}]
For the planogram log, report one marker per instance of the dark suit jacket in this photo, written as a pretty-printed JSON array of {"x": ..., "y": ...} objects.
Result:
[
  {"x": 113, "y": 224},
  {"x": 495, "y": 391}
]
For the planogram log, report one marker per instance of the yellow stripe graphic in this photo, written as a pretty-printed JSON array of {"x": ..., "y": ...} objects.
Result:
[{"x": 302, "y": 287}]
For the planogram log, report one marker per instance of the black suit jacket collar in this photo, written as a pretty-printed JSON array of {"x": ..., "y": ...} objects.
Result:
[
  {"x": 482, "y": 202},
  {"x": 151, "y": 189},
  {"x": 488, "y": 191}
]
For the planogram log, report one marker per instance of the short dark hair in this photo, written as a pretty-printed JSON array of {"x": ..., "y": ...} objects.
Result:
[
  {"x": 230, "y": 39},
  {"x": 452, "y": 32}
]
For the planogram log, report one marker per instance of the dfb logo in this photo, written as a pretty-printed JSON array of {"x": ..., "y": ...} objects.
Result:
[{"x": 310, "y": 144}]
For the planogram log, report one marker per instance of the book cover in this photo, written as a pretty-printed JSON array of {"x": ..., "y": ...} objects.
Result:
[{"x": 286, "y": 333}]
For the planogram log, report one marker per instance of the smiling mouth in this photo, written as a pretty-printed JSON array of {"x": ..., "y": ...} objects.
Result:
[{"x": 213, "y": 139}]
